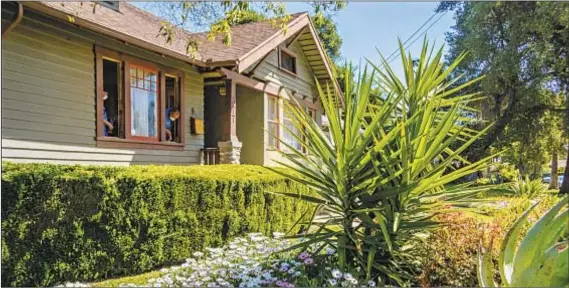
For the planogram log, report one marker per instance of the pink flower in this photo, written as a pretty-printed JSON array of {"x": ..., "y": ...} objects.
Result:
[
  {"x": 280, "y": 283},
  {"x": 289, "y": 285},
  {"x": 308, "y": 261},
  {"x": 303, "y": 255}
]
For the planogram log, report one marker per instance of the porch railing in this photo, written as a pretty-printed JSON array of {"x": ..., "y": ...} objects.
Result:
[{"x": 209, "y": 156}]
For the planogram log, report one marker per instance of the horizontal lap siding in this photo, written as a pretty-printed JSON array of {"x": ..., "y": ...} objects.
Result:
[
  {"x": 303, "y": 82},
  {"x": 48, "y": 99}
]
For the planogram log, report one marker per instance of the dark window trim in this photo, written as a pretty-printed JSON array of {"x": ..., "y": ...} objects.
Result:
[
  {"x": 291, "y": 54},
  {"x": 134, "y": 142}
]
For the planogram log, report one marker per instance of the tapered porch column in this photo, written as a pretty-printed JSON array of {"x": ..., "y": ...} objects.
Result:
[{"x": 230, "y": 147}]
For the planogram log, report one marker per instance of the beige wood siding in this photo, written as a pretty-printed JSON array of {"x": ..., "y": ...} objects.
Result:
[
  {"x": 48, "y": 98},
  {"x": 303, "y": 83}
]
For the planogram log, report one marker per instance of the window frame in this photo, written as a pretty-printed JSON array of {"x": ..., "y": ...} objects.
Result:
[
  {"x": 179, "y": 75},
  {"x": 314, "y": 112},
  {"x": 113, "y": 5},
  {"x": 275, "y": 121},
  {"x": 132, "y": 141},
  {"x": 128, "y": 101},
  {"x": 285, "y": 119},
  {"x": 291, "y": 54}
]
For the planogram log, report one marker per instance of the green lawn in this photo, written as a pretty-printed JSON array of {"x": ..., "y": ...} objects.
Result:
[{"x": 139, "y": 280}]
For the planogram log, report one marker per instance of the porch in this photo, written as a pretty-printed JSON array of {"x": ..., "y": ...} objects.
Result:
[{"x": 234, "y": 119}]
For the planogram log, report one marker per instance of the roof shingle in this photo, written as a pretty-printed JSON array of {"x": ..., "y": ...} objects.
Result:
[{"x": 140, "y": 24}]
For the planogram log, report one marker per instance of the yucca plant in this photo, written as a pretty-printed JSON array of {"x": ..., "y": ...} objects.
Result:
[
  {"x": 540, "y": 260},
  {"x": 381, "y": 175},
  {"x": 527, "y": 188}
]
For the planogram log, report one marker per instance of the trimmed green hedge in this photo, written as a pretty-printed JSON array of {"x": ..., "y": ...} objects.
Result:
[{"x": 79, "y": 223}]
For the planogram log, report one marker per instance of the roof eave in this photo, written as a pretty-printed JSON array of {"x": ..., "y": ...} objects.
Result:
[
  {"x": 39, "y": 7},
  {"x": 327, "y": 62}
]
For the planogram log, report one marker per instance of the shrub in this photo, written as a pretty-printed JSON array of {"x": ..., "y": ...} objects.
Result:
[
  {"x": 449, "y": 255},
  {"x": 79, "y": 223},
  {"x": 508, "y": 172},
  {"x": 382, "y": 172},
  {"x": 539, "y": 260},
  {"x": 528, "y": 188}
]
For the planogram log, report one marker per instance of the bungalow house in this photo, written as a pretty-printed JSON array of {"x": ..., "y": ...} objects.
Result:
[{"x": 92, "y": 83}]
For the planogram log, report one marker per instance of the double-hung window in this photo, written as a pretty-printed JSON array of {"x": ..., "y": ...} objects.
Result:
[
  {"x": 273, "y": 121},
  {"x": 143, "y": 108},
  {"x": 139, "y": 103},
  {"x": 312, "y": 113},
  {"x": 291, "y": 130}
]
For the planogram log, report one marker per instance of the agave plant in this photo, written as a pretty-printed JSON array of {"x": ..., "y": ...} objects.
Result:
[
  {"x": 540, "y": 260},
  {"x": 380, "y": 176},
  {"x": 527, "y": 188}
]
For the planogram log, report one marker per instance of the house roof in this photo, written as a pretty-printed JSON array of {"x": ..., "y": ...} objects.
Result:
[
  {"x": 137, "y": 23},
  {"x": 250, "y": 42}
]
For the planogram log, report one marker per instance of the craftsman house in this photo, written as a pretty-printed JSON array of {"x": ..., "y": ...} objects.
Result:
[{"x": 86, "y": 83}]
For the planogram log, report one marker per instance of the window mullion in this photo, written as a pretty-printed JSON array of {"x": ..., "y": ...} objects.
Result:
[
  {"x": 162, "y": 110},
  {"x": 127, "y": 96}
]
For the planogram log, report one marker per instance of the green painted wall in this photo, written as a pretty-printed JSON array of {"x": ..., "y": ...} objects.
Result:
[
  {"x": 250, "y": 125},
  {"x": 48, "y": 97}
]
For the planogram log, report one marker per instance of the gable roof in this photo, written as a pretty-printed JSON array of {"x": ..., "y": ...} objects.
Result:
[{"x": 250, "y": 42}]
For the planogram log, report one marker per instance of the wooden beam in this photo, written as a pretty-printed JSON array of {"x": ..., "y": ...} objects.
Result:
[
  {"x": 269, "y": 88},
  {"x": 294, "y": 38},
  {"x": 211, "y": 74}
]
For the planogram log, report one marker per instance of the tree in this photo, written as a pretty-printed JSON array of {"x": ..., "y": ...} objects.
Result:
[
  {"x": 219, "y": 17},
  {"x": 522, "y": 49}
]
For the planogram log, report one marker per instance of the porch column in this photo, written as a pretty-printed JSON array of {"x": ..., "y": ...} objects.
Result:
[{"x": 230, "y": 147}]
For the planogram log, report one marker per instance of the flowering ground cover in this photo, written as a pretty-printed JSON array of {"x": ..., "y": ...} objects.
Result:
[{"x": 252, "y": 261}]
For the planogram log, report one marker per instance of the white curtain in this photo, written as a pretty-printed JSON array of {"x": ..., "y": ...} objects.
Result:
[{"x": 143, "y": 112}]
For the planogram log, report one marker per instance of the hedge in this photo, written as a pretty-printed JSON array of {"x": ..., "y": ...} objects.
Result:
[{"x": 80, "y": 223}]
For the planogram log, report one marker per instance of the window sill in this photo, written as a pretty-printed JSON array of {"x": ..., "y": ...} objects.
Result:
[
  {"x": 111, "y": 142},
  {"x": 285, "y": 151},
  {"x": 287, "y": 71},
  {"x": 270, "y": 148}
]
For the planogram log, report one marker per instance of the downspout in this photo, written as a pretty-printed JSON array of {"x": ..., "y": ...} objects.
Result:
[{"x": 16, "y": 21}]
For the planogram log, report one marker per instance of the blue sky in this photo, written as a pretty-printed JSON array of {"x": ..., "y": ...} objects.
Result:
[{"x": 364, "y": 26}]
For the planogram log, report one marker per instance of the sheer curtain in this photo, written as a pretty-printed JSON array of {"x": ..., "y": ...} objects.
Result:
[{"x": 143, "y": 112}]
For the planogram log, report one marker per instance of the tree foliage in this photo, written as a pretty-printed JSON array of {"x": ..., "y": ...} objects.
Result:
[
  {"x": 219, "y": 17},
  {"x": 522, "y": 49}
]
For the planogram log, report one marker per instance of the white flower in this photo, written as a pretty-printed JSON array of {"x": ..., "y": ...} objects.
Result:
[
  {"x": 297, "y": 273},
  {"x": 371, "y": 283},
  {"x": 348, "y": 276},
  {"x": 336, "y": 273},
  {"x": 330, "y": 251},
  {"x": 198, "y": 254},
  {"x": 354, "y": 281},
  {"x": 278, "y": 235},
  {"x": 332, "y": 282}
]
